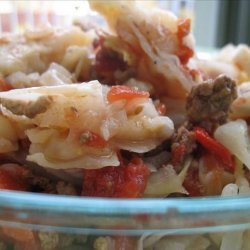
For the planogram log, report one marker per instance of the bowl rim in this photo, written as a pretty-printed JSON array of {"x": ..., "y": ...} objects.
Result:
[
  {"x": 88, "y": 205},
  {"x": 123, "y": 216}
]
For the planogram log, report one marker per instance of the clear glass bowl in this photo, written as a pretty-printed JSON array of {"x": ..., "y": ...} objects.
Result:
[
  {"x": 93, "y": 217},
  {"x": 47, "y": 222}
]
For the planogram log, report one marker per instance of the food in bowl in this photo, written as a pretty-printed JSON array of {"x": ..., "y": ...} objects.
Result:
[{"x": 129, "y": 112}]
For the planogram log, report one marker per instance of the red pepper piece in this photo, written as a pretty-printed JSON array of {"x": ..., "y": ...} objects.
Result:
[
  {"x": 119, "y": 92},
  {"x": 214, "y": 147}
]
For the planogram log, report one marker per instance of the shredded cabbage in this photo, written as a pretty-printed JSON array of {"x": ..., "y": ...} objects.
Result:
[{"x": 234, "y": 136}]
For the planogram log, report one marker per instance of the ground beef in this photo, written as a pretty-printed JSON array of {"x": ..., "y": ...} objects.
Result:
[
  {"x": 208, "y": 103},
  {"x": 207, "y": 106},
  {"x": 183, "y": 144},
  {"x": 41, "y": 184},
  {"x": 109, "y": 66}
]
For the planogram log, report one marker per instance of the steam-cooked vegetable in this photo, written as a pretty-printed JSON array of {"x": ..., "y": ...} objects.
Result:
[
  {"x": 76, "y": 126},
  {"x": 165, "y": 181},
  {"x": 234, "y": 136},
  {"x": 215, "y": 148}
]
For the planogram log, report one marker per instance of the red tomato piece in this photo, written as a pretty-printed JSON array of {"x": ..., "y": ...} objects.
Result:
[
  {"x": 192, "y": 183},
  {"x": 178, "y": 153},
  {"x": 194, "y": 72},
  {"x": 4, "y": 86},
  {"x": 18, "y": 234},
  {"x": 125, "y": 181},
  {"x": 12, "y": 180},
  {"x": 184, "y": 53},
  {"x": 120, "y": 92},
  {"x": 92, "y": 139},
  {"x": 184, "y": 26}
]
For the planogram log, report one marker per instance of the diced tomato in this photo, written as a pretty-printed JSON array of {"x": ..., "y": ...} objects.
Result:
[
  {"x": 184, "y": 53},
  {"x": 184, "y": 26},
  {"x": 120, "y": 92},
  {"x": 18, "y": 234},
  {"x": 214, "y": 147},
  {"x": 195, "y": 72},
  {"x": 125, "y": 181},
  {"x": 11, "y": 180},
  {"x": 92, "y": 139},
  {"x": 192, "y": 183},
  {"x": 178, "y": 153},
  {"x": 4, "y": 86},
  {"x": 108, "y": 60},
  {"x": 134, "y": 182}
]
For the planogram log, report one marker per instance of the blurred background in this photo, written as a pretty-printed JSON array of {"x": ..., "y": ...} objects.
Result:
[{"x": 215, "y": 22}]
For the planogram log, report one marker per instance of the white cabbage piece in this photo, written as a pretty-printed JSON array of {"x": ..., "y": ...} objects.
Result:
[
  {"x": 232, "y": 241},
  {"x": 233, "y": 61},
  {"x": 237, "y": 55},
  {"x": 230, "y": 189},
  {"x": 86, "y": 162},
  {"x": 35, "y": 50},
  {"x": 104, "y": 243},
  {"x": 234, "y": 136},
  {"x": 246, "y": 240},
  {"x": 22, "y": 80},
  {"x": 8, "y": 136},
  {"x": 215, "y": 68},
  {"x": 238, "y": 239},
  {"x": 78, "y": 60},
  {"x": 54, "y": 75},
  {"x": 240, "y": 108},
  {"x": 63, "y": 117},
  {"x": 153, "y": 35},
  {"x": 165, "y": 181}
]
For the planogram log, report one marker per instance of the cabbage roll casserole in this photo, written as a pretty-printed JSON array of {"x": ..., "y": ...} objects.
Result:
[{"x": 126, "y": 110}]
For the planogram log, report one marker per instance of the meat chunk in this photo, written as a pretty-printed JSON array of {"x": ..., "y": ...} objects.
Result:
[
  {"x": 110, "y": 66},
  {"x": 207, "y": 106},
  {"x": 183, "y": 145},
  {"x": 209, "y": 102}
]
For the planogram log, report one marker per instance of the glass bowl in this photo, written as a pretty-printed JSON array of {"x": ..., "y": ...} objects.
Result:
[
  {"x": 131, "y": 223},
  {"x": 46, "y": 222}
]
